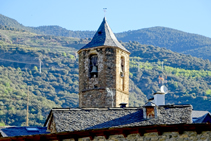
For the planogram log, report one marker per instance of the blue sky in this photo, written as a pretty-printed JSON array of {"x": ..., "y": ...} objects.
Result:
[{"x": 193, "y": 16}]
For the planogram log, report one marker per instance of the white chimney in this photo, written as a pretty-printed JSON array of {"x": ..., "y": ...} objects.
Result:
[{"x": 159, "y": 98}]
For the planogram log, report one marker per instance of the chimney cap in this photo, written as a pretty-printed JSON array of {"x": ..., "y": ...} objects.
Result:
[
  {"x": 123, "y": 104},
  {"x": 149, "y": 104},
  {"x": 158, "y": 92},
  {"x": 150, "y": 99}
]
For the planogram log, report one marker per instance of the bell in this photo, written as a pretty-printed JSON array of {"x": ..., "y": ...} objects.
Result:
[{"x": 94, "y": 69}]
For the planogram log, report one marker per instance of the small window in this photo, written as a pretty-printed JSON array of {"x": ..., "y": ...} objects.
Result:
[
  {"x": 93, "y": 66},
  {"x": 150, "y": 112}
]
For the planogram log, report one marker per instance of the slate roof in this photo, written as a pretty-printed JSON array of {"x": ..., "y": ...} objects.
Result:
[
  {"x": 104, "y": 37},
  {"x": 196, "y": 114},
  {"x": 22, "y": 131},
  {"x": 205, "y": 118},
  {"x": 77, "y": 119}
]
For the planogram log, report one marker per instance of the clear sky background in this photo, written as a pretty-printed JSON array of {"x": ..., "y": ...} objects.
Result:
[{"x": 193, "y": 16}]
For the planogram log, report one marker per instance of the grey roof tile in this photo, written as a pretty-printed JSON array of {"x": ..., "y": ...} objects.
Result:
[
  {"x": 22, "y": 131},
  {"x": 196, "y": 114},
  {"x": 85, "y": 119},
  {"x": 104, "y": 37},
  {"x": 205, "y": 118}
]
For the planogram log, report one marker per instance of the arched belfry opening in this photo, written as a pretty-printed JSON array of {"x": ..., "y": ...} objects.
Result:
[
  {"x": 103, "y": 63},
  {"x": 93, "y": 66}
]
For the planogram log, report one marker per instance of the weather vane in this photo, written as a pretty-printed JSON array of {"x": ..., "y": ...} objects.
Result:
[
  {"x": 104, "y": 9},
  {"x": 162, "y": 78}
]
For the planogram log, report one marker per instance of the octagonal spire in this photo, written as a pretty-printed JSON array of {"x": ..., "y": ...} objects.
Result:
[{"x": 104, "y": 37}]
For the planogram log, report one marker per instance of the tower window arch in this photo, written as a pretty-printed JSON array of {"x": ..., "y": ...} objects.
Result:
[
  {"x": 122, "y": 66},
  {"x": 93, "y": 66},
  {"x": 122, "y": 72}
]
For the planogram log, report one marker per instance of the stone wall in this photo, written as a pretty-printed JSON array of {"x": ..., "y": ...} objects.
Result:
[
  {"x": 52, "y": 126},
  {"x": 166, "y": 136},
  {"x": 125, "y": 55},
  {"x": 96, "y": 98},
  {"x": 175, "y": 115},
  {"x": 121, "y": 97},
  {"x": 92, "y": 91},
  {"x": 86, "y": 83}
]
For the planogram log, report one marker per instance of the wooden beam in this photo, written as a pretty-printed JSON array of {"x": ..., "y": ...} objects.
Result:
[
  {"x": 106, "y": 135},
  {"x": 91, "y": 136},
  {"x": 141, "y": 132},
  {"x": 125, "y": 133}
]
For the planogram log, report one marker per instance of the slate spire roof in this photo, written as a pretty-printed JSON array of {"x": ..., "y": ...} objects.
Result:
[{"x": 104, "y": 37}]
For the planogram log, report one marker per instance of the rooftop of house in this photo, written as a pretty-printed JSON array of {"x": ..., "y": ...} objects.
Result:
[
  {"x": 104, "y": 37},
  {"x": 201, "y": 116},
  {"x": 22, "y": 131},
  {"x": 125, "y": 131},
  {"x": 197, "y": 114},
  {"x": 76, "y": 119}
]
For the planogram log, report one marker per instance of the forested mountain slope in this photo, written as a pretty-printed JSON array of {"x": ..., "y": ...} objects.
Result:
[
  {"x": 188, "y": 78},
  {"x": 6, "y": 21},
  {"x": 47, "y": 30},
  {"x": 55, "y": 86},
  {"x": 175, "y": 40},
  {"x": 169, "y": 38},
  {"x": 59, "y": 31}
]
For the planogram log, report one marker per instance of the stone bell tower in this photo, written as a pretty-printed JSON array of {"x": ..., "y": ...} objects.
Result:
[{"x": 103, "y": 71}]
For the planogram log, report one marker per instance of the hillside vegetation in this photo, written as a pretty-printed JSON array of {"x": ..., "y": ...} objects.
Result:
[
  {"x": 55, "y": 86},
  {"x": 188, "y": 78},
  {"x": 6, "y": 21},
  {"x": 47, "y": 30},
  {"x": 175, "y": 40},
  {"x": 169, "y": 38}
]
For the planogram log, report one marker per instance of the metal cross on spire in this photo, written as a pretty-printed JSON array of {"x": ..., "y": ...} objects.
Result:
[{"x": 104, "y": 9}]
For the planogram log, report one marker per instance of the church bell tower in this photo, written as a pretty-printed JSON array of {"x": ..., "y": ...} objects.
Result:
[{"x": 103, "y": 71}]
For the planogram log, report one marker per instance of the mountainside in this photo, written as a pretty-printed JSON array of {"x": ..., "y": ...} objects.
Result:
[
  {"x": 59, "y": 31},
  {"x": 188, "y": 78},
  {"x": 47, "y": 30},
  {"x": 175, "y": 40},
  {"x": 6, "y": 21},
  {"x": 172, "y": 39}
]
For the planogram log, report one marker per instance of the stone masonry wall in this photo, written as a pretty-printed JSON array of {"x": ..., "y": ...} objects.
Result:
[
  {"x": 110, "y": 68},
  {"x": 96, "y": 98},
  {"x": 122, "y": 97},
  {"x": 125, "y": 55},
  {"x": 86, "y": 83},
  {"x": 166, "y": 136},
  {"x": 93, "y": 89},
  {"x": 52, "y": 127},
  {"x": 175, "y": 115}
]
